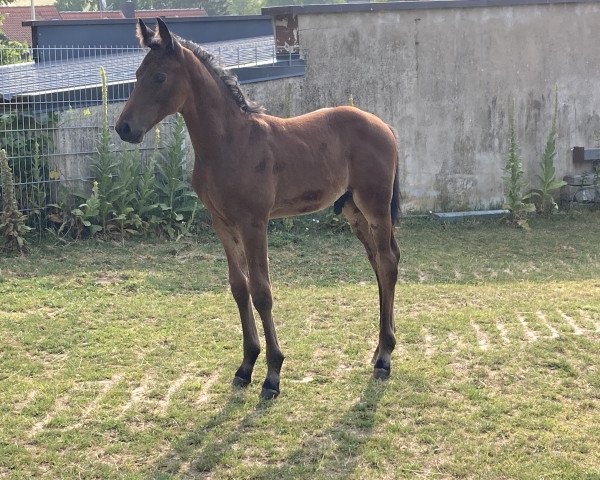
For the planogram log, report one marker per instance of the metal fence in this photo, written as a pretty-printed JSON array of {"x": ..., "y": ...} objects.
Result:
[{"x": 50, "y": 117}]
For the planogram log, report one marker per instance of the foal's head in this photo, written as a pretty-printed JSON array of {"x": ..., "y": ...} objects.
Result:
[{"x": 161, "y": 87}]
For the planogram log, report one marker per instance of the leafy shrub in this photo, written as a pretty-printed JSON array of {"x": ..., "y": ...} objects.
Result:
[
  {"x": 177, "y": 202},
  {"x": 12, "y": 52},
  {"x": 13, "y": 224},
  {"x": 85, "y": 217},
  {"x": 25, "y": 137},
  {"x": 131, "y": 196}
]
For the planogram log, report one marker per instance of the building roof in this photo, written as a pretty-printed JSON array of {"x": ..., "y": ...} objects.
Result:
[
  {"x": 15, "y": 16},
  {"x": 174, "y": 12},
  {"x": 351, "y": 7},
  {"x": 60, "y": 78},
  {"x": 107, "y": 14}
]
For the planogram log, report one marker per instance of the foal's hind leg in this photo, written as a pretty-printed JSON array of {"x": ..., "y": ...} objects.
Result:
[
  {"x": 360, "y": 228},
  {"x": 238, "y": 281},
  {"x": 373, "y": 226}
]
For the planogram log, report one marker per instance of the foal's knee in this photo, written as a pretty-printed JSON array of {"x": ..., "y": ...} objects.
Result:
[
  {"x": 239, "y": 290},
  {"x": 394, "y": 273},
  {"x": 262, "y": 299}
]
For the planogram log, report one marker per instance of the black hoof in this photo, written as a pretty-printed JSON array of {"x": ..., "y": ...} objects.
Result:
[
  {"x": 239, "y": 382},
  {"x": 268, "y": 394},
  {"x": 381, "y": 373}
]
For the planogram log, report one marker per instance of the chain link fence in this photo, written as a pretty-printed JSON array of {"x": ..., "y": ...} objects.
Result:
[{"x": 50, "y": 117}]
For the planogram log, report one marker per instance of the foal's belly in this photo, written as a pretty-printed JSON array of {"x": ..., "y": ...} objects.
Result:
[
  {"x": 312, "y": 199},
  {"x": 309, "y": 176}
]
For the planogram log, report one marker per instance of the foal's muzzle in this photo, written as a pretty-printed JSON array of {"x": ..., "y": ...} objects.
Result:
[{"x": 129, "y": 134}]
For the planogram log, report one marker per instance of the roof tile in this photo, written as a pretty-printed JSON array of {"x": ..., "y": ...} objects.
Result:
[
  {"x": 175, "y": 12},
  {"x": 14, "y": 16}
]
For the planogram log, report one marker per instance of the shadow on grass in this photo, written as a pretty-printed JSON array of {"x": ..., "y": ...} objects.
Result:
[
  {"x": 203, "y": 449},
  {"x": 333, "y": 452},
  {"x": 336, "y": 451}
]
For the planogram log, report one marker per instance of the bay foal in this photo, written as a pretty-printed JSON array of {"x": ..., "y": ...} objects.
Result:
[{"x": 250, "y": 167}]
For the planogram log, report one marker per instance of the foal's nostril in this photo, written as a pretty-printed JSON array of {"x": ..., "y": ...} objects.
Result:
[
  {"x": 125, "y": 131},
  {"x": 122, "y": 129}
]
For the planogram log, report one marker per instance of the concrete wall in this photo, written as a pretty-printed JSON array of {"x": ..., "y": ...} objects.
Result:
[
  {"x": 282, "y": 97},
  {"x": 445, "y": 78}
]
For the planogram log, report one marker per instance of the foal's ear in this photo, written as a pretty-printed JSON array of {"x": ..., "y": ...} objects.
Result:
[
  {"x": 144, "y": 34},
  {"x": 166, "y": 38}
]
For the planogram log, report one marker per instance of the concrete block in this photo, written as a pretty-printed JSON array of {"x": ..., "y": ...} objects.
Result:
[
  {"x": 584, "y": 179},
  {"x": 580, "y": 194},
  {"x": 471, "y": 215}
]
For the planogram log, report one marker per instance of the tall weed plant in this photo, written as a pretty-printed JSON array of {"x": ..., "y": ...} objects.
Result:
[
  {"x": 131, "y": 196},
  {"x": 145, "y": 202},
  {"x": 595, "y": 173},
  {"x": 177, "y": 202},
  {"x": 548, "y": 183},
  {"x": 38, "y": 193},
  {"x": 516, "y": 202},
  {"x": 105, "y": 164}
]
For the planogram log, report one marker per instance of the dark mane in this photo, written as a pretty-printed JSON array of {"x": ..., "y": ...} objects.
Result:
[{"x": 228, "y": 78}]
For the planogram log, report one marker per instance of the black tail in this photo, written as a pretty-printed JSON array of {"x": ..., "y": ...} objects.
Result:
[{"x": 396, "y": 197}]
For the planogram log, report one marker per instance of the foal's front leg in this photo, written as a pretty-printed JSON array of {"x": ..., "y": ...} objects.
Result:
[
  {"x": 238, "y": 281},
  {"x": 254, "y": 238}
]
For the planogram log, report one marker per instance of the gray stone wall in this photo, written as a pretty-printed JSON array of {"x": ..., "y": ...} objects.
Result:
[{"x": 445, "y": 79}]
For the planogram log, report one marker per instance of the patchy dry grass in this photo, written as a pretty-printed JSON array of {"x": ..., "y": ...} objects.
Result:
[{"x": 115, "y": 360}]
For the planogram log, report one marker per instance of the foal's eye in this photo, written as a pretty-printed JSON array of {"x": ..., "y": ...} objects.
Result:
[{"x": 160, "y": 77}]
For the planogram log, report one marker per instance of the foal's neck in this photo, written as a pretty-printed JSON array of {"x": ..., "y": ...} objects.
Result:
[{"x": 211, "y": 115}]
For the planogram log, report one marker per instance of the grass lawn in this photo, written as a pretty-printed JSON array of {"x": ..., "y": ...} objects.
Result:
[{"x": 116, "y": 359}]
